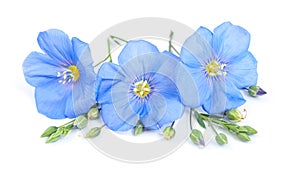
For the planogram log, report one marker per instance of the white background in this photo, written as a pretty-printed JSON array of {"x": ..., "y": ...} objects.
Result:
[{"x": 274, "y": 28}]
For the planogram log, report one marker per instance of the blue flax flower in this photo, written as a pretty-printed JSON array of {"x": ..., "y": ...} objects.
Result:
[
  {"x": 63, "y": 77},
  {"x": 220, "y": 64},
  {"x": 146, "y": 86}
]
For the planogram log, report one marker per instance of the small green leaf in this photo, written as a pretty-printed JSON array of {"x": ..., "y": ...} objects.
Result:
[
  {"x": 199, "y": 119},
  {"x": 94, "y": 132},
  {"x": 50, "y": 130},
  {"x": 221, "y": 139},
  {"x": 81, "y": 121}
]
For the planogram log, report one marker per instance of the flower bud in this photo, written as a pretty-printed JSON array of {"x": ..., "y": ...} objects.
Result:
[
  {"x": 93, "y": 113},
  {"x": 81, "y": 122},
  {"x": 243, "y": 137},
  {"x": 234, "y": 115},
  {"x": 256, "y": 91},
  {"x": 55, "y": 136},
  {"x": 169, "y": 133},
  {"x": 221, "y": 139},
  {"x": 197, "y": 137},
  {"x": 94, "y": 132},
  {"x": 49, "y": 131},
  {"x": 138, "y": 129},
  {"x": 250, "y": 130}
]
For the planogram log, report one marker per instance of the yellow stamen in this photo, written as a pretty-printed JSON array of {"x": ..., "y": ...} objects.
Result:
[
  {"x": 75, "y": 72},
  {"x": 142, "y": 88},
  {"x": 214, "y": 68}
]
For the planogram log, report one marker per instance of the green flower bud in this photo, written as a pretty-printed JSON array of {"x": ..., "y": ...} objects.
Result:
[
  {"x": 234, "y": 115},
  {"x": 242, "y": 129},
  {"x": 81, "y": 122},
  {"x": 197, "y": 137},
  {"x": 169, "y": 133},
  {"x": 250, "y": 130},
  {"x": 256, "y": 91},
  {"x": 93, "y": 113},
  {"x": 221, "y": 139},
  {"x": 94, "y": 132},
  {"x": 138, "y": 129},
  {"x": 49, "y": 131},
  {"x": 55, "y": 136},
  {"x": 243, "y": 137}
]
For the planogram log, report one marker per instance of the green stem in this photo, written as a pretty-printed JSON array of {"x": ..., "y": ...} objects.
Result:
[
  {"x": 108, "y": 55},
  {"x": 102, "y": 61},
  {"x": 172, "y": 124},
  {"x": 171, "y": 47},
  {"x": 108, "y": 47},
  {"x": 101, "y": 127},
  {"x": 115, "y": 38},
  {"x": 212, "y": 126},
  {"x": 170, "y": 41},
  {"x": 175, "y": 50},
  {"x": 208, "y": 118},
  {"x": 68, "y": 123},
  {"x": 191, "y": 111}
]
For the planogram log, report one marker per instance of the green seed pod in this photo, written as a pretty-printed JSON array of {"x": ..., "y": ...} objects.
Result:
[
  {"x": 221, "y": 139},
  {"x": 197, "y": 137},
  {"x": 169, "y": 133},
  {"x": 234, "y": 115},
  {"x": 94, "y": 132},
  {"x": 81, "y": 122},
  {"x": 93, "y": 113}
]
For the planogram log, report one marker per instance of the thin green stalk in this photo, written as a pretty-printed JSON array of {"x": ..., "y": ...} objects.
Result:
[
  {"x": 102, "y": 60},
  {"x": 171, "y": 47},
  {"x": 170, "y": 41},
  {"x": 108, "y": 55},
  {"x": 68, "y": 123},
  {"x": 175, "y": 50},
  {"x": 172, "y": 124},
  {"x": 115, "y": 38},
  {"x": 191, "y": 111},
  {"x": 108, "y": 47},
  {"x": 212, "y": 126},
  {"x": 102, "y": 126}
]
